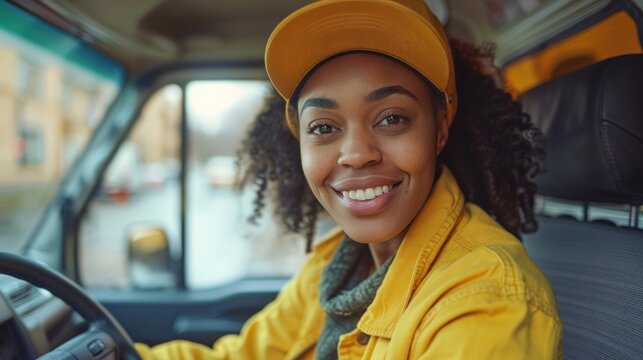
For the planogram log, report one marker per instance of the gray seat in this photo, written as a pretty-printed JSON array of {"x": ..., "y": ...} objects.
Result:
[{"x": 592, "y": 120}]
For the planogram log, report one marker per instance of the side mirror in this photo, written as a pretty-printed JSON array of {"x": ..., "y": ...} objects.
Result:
[{"x": 150, "y": 264}]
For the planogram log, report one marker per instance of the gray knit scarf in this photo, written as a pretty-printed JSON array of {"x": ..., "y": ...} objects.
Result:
[{"x": 343, "y": 294}]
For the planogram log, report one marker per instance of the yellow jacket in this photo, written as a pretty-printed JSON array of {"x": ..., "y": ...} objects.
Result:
[{"x": 460, "y": 287}]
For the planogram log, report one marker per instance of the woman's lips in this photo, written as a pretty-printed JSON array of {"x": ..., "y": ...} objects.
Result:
[{"x": 371, "y": 206}]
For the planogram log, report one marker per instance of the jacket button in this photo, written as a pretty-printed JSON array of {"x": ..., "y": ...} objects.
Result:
[{"x": 362, "y": 338}]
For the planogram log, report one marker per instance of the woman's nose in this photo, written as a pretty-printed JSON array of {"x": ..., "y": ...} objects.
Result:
[{"x": 358, "y": 149}]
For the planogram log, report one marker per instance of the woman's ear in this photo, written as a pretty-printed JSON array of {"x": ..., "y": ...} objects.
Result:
[{"x": 442, "y": 130}]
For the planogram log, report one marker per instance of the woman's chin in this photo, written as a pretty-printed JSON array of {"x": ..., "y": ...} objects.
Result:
[{"x": 370, "y": 234}]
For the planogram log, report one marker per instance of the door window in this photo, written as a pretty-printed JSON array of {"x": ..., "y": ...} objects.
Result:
[{"x": 138, "y": 194}]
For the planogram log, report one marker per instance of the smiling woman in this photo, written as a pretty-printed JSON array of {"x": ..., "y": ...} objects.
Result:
[
  {"x": 380, "y": 132},
  {"x": 425, "y": 164}
]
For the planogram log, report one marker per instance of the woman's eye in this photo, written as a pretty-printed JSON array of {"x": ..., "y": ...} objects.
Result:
[
  {"x": 322, "y": 129},
  {"x": 391, "y": 120}
]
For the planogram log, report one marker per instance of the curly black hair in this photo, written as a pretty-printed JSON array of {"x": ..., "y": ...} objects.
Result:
[{"x": 494, "y": 152}]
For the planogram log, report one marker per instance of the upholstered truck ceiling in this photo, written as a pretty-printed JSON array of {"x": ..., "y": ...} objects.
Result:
[{"x": 147, "y": 33}]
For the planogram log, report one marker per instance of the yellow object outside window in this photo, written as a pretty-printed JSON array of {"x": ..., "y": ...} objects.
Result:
[{"x": 614, "y": 36}]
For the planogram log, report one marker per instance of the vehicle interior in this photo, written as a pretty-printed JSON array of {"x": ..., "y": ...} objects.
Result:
[{"x": 120, "y": 220}]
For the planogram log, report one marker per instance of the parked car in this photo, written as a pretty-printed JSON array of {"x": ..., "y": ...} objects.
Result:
[
  {"x": 221, "y": 171},
  {"x": 123, "y": 177},
  {"x": 85, "y": 82}
]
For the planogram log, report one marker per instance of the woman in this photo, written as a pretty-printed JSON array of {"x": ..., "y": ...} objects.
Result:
[{"x": 430, "y": 187}]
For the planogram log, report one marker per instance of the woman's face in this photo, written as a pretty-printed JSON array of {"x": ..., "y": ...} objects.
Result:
[{"x": 369, "y": 138}]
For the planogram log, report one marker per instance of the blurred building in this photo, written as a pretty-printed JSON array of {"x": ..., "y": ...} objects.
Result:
[
  {"x": 47, "y": 113},
  {"x": 157, "y": 131}
]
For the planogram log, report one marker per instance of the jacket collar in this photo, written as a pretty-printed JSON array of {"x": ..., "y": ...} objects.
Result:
[{"x": 414, "y": 258}]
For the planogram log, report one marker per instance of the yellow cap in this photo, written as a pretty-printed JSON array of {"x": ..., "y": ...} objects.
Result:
[{"x": 405, "y": 30}]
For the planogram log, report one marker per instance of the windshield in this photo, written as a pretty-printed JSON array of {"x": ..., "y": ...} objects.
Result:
[{"x": 54, "y": 91}]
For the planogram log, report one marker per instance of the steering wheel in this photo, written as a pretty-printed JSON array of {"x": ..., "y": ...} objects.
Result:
[{"x": 104, "y": 335}]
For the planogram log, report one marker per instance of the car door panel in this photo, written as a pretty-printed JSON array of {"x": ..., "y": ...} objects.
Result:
[{"x": 202, "y": 316}]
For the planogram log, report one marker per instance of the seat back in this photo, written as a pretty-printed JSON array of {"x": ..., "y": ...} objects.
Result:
[{"x": 592, "y": 121}]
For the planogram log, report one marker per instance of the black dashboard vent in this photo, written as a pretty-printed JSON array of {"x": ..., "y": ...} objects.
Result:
[{"x": 25, "y": 297}]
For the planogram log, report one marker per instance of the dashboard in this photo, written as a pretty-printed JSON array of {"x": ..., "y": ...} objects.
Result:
[{"x": 33, "y": 321}]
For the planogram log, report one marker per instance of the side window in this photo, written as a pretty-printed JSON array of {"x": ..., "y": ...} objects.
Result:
[
  {"x": 221, "y": 245},
  {"x": 130, "y": 236},
  {"x": 138, "y": 198}
]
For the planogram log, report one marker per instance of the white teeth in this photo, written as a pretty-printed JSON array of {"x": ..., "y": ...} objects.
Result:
[
  {"x": 369, "y": 193},
  {"x": 366, "y": 194}
]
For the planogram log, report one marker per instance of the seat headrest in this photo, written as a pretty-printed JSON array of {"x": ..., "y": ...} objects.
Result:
[{"x": 592, "y": 121}]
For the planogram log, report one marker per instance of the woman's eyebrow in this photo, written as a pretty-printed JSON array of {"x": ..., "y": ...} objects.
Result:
[
  {"x": 324, "y": 103},
  {"x": 386, "y": 91}
]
